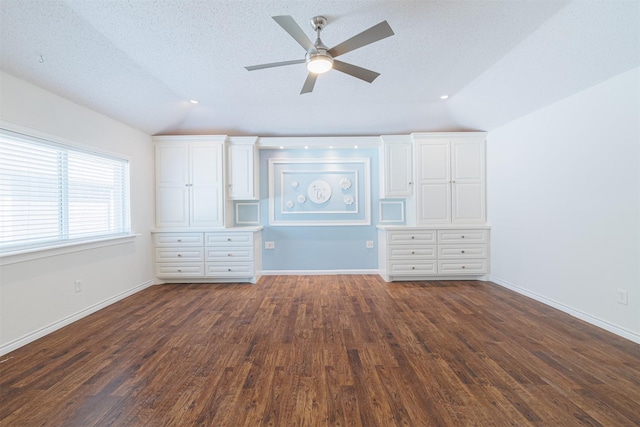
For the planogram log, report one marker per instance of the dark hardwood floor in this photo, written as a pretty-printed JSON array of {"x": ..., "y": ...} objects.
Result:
[{"x": 324, "y": 351}]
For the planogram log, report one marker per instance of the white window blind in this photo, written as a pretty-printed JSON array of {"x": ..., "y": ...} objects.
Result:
[{"x": 52, "y": 194}]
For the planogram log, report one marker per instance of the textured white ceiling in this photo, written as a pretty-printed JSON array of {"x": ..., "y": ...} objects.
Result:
[{"x": 141, "y": 61}]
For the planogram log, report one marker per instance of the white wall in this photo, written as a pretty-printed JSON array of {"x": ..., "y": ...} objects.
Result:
[
  {"x": 564, "y": 204},
  {"x": 39, "y": 296}
]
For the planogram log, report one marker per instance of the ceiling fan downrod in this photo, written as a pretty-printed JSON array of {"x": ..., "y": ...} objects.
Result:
[{"x": 319, "y": 60}]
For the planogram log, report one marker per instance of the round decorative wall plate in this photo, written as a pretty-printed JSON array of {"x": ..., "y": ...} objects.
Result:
[{"x": 319, "y": 191}]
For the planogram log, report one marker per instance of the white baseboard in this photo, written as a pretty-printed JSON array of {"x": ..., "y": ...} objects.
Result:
[
  {"x": 13, "y": 345},
  {"x": 315, "y": 272},
  {"x": 625, "y": 333}
]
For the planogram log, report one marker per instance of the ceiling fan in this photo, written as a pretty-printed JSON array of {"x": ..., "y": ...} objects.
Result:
[{"x": 320, "y": 58}]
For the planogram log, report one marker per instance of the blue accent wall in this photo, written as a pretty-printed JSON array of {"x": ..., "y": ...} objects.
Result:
[{"x": 320, "y": 247}]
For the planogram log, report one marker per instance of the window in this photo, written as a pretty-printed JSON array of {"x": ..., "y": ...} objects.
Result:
[{"x": 53, "y": 194}]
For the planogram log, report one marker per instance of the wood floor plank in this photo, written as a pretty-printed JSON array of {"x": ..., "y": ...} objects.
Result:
[{"x": 324, "y": 351}]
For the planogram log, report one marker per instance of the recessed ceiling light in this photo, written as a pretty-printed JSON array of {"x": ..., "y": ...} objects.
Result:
[
  {"x": 306, "y": 147},
  {"x": 331, "y": 146},
  {"x": 193, "y": 101},
  {"x": 355, "y": 146},
  {"x": 282, "y": 147},
  {"x": 445, "y": 96}
]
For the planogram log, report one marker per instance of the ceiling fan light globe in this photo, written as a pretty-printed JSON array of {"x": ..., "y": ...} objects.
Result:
[{"x": 319, "y": 63}]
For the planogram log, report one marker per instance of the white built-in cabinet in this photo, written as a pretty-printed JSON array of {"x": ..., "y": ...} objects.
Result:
[
  {"x": 190, "y": 239},
  {"x": 421, "y": 253},
  {"x": 242, "y": 162},
  {"x": 396, "y": 166},
  {"x": 450, "y": 178},
  {"x": 446, "y": 236},
  {"x": 230, "y": 255},
  {"x": 189, "y": 181}
]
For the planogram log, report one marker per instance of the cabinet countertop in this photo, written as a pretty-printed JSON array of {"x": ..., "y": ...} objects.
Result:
[
  {"x": 434, "y": 227},
  {"x": 207, "y": 230}
]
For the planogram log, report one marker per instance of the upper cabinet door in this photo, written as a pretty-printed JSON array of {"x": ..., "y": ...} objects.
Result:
[
  {"x": 243, "y": 172},
  {"x": 434, "y": 182},
  {"x": 396, "y": 178},
  {"x": 172, "y": 185},
  {"x": 206, "y": 185},
  {"x": 434, "y": 161},
  {"x": 468, "y": 181}
]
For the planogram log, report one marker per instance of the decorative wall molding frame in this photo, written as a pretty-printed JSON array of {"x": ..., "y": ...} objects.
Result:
[{"x": 319, "y": 192}]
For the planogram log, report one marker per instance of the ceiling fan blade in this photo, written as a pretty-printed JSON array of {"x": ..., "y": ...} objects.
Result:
[
  {"x": 274, "y": 64},
  {"x": 294, "y": 30},
  {"x": 355, "y": 71},
  {"x": 373, "y": 34},
  {"x": 309, "y": 83}
]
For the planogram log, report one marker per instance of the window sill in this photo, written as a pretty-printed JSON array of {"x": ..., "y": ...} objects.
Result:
[{"x": 49, "y": 251}]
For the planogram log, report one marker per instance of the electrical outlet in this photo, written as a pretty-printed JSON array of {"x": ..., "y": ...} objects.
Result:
[
  {"x": 623, "y": 297},
  {"x": 269, "y": 245},
  {"x": 369, "y": 244},
  {"x": 78, "y": 286}
]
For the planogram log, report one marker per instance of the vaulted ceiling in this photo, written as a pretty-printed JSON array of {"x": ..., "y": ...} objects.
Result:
[{"x": 142, "y": 61}]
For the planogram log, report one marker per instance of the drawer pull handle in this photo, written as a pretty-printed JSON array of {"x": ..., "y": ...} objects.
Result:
[
  {"x": 413, "y": 253},
  {"x": 179, "y": 271},
  {"x": 463, "y": 266},
  {"x": 463, "y": 237},
  {"x": 413, "y": 268},
  {"x": 228, "y": 239},
  {"x": 228, "y": 254},
  {"x": 228, "y": 269},
  {"x": 179, "y": 240},
  {"x": 462, "y": 251},
  {"x": 179, "y": 255},
  {"x": 412, "y": 237}
]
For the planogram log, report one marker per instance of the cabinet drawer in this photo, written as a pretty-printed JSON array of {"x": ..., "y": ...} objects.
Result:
[
  {"x": 179, "y": 254},
  {"x": 236, "y": 269},
  {"x": 228, "y": 239},
  {"x": 411, "y": 269},
  {"x": 231, "y": 254},
  {"x": 189, "y": 269},
  {"x": 411, "y": 237},
  {"x": 412, "y": 252},
  {"x": 462, "y": 251},
  {"x": 470, "y": 266},
  {"x": 179, "y": 239},
  {"x": 462, "y": 236}
]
